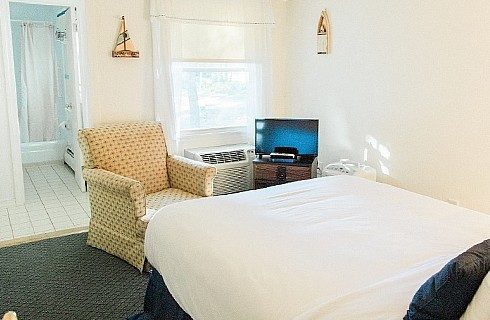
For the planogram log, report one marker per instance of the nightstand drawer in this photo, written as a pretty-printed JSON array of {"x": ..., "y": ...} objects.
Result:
[
  {"x": 269, "y": 174},
  {"x": 298, "y": 173}
]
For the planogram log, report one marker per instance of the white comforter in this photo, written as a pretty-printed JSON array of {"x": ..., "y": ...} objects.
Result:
[{"x": 330, "y": 248}]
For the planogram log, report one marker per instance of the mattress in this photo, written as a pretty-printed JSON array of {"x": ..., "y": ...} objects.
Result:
[{"x": 329, "y": 248}]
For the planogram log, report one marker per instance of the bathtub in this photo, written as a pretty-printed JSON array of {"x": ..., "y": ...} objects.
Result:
[{"x": 46, "y": 151}]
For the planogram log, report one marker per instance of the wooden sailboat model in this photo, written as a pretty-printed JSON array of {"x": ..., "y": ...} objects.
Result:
[
  {"x": 124, "y": 45},
  {"x": 323, "y": 34}
]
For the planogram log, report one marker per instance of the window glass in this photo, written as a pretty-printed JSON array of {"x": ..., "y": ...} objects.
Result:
[{"x": 212, "y": 95}]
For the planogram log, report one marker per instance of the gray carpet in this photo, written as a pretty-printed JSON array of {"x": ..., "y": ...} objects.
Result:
[{"x": 63, "y": 278}]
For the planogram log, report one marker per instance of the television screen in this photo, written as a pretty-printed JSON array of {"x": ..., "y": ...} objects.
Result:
[{"x": 301, "y": 134}]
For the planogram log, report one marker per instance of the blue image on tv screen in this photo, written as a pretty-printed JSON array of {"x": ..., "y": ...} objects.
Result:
[{"x": 301, "y": 134}]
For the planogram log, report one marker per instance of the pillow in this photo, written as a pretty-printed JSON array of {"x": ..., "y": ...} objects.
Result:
[
  {"x": 446, "y": 294},
  {"x": 479, "y": 308}
]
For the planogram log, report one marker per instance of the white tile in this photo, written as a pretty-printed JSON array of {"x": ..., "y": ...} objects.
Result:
[
  {"x": 31, "y": 194},
  {"x": 17, "y": 209},
  {"x": 4, "y": 222},
  {"x": 22, "y": 230},
  {"x": 55, "y": 209},
  {"x": 3, "y": 212},
  {"x": 57, "y": 214},
  {"x": 5, "y": 232},
  {"x": 78, "y": 216},
  {"x": 81, "y": 222},
  {"x": 67, "y": 197},
  {"x": 49, "y": 199},
  {"x": 86, "y": 205},
  {"x": 42, "y": 187},
  {"x": 74, "y": 209},
  {"x": 63, "y": 225},
  {"x": 38, "y": 215},
  {"x": 34, "y": 206},
  {"x": 60, "y": 219},
  {"x": 43, "y": 229},
  {"x": 19, "y": 219},
  {"x": 77, "y": 192},
  {"x": 47, "y": 195},
  {"x": 59, "y": 187},
  {"x": 23, "y": 233},
  {"x": 69, "y": 202},
  {"x": 52, "y": 204},
  {"x": 83, "y": 199},
  {"x": 6, "y": 236},
  {"x": 32, "y": 199},
  {"x": 63, "y": 192},
  {"x": 44, "y": 222}
]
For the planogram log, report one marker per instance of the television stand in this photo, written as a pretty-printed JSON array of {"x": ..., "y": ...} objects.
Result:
[{"x": 270, "y": 172}]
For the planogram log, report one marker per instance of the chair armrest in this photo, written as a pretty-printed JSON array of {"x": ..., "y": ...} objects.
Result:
[
  {"x": 114, "y": 182},
  {"x": 191, "y": 176},
  {"x": 120, "y": 186}
]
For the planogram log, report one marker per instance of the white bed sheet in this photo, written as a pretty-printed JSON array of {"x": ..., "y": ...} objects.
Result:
[{"x": 328, "y": 248}]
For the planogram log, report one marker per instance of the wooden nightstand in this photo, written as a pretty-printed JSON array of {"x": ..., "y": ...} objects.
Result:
[{"x": 267, "y": 173}]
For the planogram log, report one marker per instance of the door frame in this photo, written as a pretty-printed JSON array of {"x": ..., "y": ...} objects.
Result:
[{"x": 78, "y": 18}]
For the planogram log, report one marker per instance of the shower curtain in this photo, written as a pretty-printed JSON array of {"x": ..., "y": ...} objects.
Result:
[{"x": 37, "y": 114}]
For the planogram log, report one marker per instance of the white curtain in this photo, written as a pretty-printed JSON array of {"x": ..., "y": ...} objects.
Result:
[
  {"x": 210, "y": 30},
  {"x": 37, "y": 108}
]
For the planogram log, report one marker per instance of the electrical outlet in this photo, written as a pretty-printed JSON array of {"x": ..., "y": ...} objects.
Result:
[{"x": 453, "y": 201}]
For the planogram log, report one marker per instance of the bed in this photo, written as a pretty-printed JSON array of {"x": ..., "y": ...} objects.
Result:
[{"x": 328, "y": 248}]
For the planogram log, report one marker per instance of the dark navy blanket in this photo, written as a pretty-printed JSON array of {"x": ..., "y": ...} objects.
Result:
[{"x": 159, "y": 303}]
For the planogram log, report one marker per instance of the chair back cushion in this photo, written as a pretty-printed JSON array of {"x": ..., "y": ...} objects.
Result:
[{"x": 135, "y": 150}]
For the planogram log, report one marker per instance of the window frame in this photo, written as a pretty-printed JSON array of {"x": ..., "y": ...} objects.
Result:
[{"x": 222, "y": 129}]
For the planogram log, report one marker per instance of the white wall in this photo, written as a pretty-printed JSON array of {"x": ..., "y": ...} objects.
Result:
[
  {"x": 412, "y": 77},
  {"x": 280, "y": 72},
  {"x": 120, "y": 89}
]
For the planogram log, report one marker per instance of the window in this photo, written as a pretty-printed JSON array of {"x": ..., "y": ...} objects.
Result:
[
  {"x": 213, "y": 68},
  {"x": 213, "y": 95},
  {"x": 213, "y": 82}
]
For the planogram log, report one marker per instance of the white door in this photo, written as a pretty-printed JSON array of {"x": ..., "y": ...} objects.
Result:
[{"x": 74, "y": 90}]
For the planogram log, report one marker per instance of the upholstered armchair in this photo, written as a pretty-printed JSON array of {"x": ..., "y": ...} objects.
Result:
[{"x": 129, "y": 176}]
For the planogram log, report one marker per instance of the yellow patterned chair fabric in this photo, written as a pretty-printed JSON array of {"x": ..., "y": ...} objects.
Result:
[{"x": 129, "y": 176}]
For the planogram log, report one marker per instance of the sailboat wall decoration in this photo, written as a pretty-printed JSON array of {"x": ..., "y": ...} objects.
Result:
[
  {"x": 124, "y": 45},
  {"x": 324, "y": 39}
]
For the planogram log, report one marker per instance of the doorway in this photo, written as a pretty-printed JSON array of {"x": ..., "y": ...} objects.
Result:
[{"x": 47, "y": 56}]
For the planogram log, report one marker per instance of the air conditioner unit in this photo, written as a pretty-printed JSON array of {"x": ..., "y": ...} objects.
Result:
[{"x": 233, "y": 164}]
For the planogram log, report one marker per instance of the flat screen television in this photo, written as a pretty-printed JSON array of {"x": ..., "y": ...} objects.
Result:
[{"x": 301, "y": 134}]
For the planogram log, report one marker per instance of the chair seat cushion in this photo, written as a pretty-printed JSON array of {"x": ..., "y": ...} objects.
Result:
[{"x": 158, "y": 200}]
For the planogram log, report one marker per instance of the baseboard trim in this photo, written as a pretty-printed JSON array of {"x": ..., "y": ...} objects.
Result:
[{"x": 44, "y": 236}]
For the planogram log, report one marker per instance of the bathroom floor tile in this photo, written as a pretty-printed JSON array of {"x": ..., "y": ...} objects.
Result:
[
  {"x": 38, "y": 215},
  {"x": 60, "y": 219},
  {"x": 58, "y": 213},
  {"x": 62, "y": 225},
  {"x": 53, "y": 202},
  {"x": 19, "y": 219}
]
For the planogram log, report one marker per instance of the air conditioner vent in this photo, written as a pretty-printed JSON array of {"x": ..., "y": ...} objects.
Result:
[
  {"x": 224, "y": 157},
  {"x": 233, "y": 164}
]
